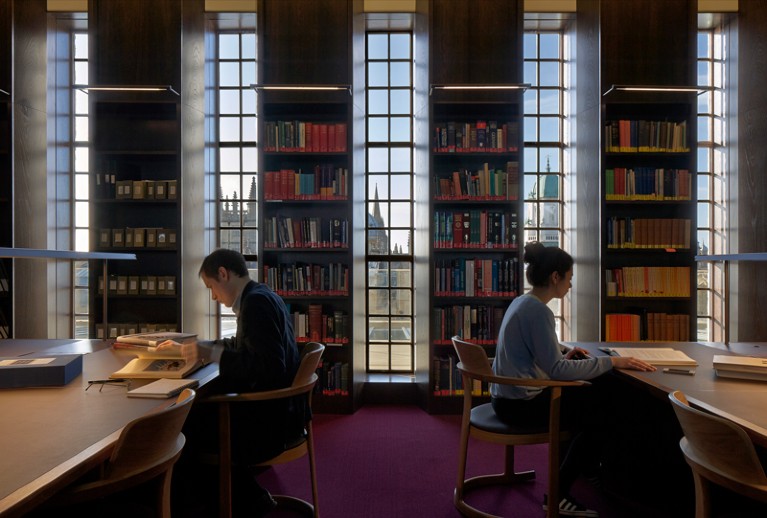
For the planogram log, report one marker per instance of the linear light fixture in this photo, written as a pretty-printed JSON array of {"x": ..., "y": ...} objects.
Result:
[
  {"x": 4, "y": 92},
  {"x": 508, "y": 86},
  {"x": 126, "y": 88},
  {"x": 306, "y": 88},
  {"x": 656, "y": 88}
]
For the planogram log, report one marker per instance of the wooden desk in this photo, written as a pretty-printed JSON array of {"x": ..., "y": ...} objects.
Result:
[
  {"x": 741, "y": 401},
  {"x": 51, "y": 436}
]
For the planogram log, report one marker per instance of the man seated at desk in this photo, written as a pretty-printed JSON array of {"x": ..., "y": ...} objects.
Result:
[{"x": 261, "y": 356}]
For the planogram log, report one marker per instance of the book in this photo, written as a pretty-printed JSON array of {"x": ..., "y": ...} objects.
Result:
[
  {"x": 656, "y": 355},
  {"x": 151, "y": 339},
  {"x": 162, "y": 364},
  {"x": 742, "y": 367},
  {"x": 162, "y": 388}
]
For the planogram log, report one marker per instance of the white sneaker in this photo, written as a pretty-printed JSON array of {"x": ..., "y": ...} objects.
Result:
[{"x": 569, "y": 507}]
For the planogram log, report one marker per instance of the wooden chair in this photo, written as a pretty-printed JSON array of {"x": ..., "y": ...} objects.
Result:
[
  {"x": 720, "y": 452},
  {"x": 303, "y": 383},
  {"x": 145, "y": 453},
  {"x": 482, "y": 423}
]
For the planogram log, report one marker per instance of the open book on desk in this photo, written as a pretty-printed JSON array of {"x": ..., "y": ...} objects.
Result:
[
  {"x": 656, "y": 355},
  {"x": 167, "y": 363}
]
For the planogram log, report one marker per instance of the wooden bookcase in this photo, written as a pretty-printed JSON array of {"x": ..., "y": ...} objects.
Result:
[
  {"x": 135, "y": 163},
  {"x": 306, "y": 175},
  {"x": 135, "y": 196},
  {"x": 475, "y": 170},
  {"x": 649, "y": 218},
  {"x": 627, "y": 57},
  {"x": 476, "y": 227},
  {"x": 6, "y": 171},
  {"x": 306, "y": 252}
]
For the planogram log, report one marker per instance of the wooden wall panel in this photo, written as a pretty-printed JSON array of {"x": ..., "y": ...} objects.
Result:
[
  {"x": 135, "y": 42},
  {"x": 584, "y": 187},
  {"x": 309, "y": 43},
  {"x": 750, "y": 188},
  {"x": 648, "y": 42},
  {"x": 34, "y": 280},
  {"x": 476, "y": 41}
]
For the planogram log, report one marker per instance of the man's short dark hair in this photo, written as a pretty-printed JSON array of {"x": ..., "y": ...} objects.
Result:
[{"x": 231, "y": 260}]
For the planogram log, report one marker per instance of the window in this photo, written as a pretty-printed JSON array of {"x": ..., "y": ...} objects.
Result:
[
  {"x": 711, "y": 189},
  {"x": 544, "y": 130},
  {"x": 389, "y": 195},
  {"x": 232, "y": 124}
]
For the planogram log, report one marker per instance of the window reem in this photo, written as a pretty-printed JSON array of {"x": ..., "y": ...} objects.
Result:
[
  {"x": 544, "y": 130},
  {"x": 389, "y": 201},
  {"x": 711, "y": 188},
  {"x": 236, "y": 140}
]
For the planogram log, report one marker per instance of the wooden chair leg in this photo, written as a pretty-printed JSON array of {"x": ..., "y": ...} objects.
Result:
[
  {"x": 225, "y": 462},
  {"x": 312, "y": 469},
  {"x": 702, "y": 496}
]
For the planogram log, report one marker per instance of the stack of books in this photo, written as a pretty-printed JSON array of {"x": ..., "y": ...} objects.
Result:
[{"x": 742, "y": 367}]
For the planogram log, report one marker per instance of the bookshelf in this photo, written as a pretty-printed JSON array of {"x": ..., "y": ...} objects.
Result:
[
  {"x": 6, "y": 171},
  {"x": 135, "y": 164},
  {"x": 306, "y": 224},
  {"x": 476, "y": 227},
  {"x": 475, "y": 168},
  {"x": 649, "y": 218},
  {"x": 306, "y": 183}
]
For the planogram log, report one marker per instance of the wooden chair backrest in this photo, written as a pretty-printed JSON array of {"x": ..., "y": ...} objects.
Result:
[
  {"x": 150, "y": 440},
  {"x": 475, "y": 363},
  {"x": 718, "y": 444},
  {"x": 473, "y": 357},
  {"x": 310, "y": 359}
]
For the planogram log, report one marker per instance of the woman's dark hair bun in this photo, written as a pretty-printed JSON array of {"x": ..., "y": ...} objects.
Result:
[
  {"x": 542, "y": 261},
  {"x": 534, "y": 252}
]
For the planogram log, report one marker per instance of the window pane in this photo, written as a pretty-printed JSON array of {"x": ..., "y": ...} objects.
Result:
[
  {"x": 400, "y": 242},
  {"x": 81, "y": 73},
  {"x": 229, "y": 102},
  {"x": 400, "y": 129},
  {"x": 378, "y": 102},
  {"x": 81, "y": 129},
  {"x": 400, "y": 74},
  {"x": 230, "y": 160},
  {"x": 378, "y": 160},
  {"x": 229, "y": 129},
  {"x": 248, "y": 73},
  {"x": 378, "y": 302},
  {"x": 378, "y": 129},
  {"x": 249, "y": 129},
  {"x": 400, "y": 102},
  {"x": 549, "y": 101},
  {"x": 378, "y": 184},
  {"x": 400, "y": 158},
  {"x": 400, "y": 187},
  {"x": 400, "y": 46},
  {"x": 378, "y": 274},
  {"x": 530, "y": 46},
  {"x": 549, "y": 46},
  {"x": 549, "y": 73},
  {"x": 549, "y": 129},
  {"x": 531, "y": 129},
  {"x": 229, "y": 46},
  {"x": 249, "y": 46},
  {"x": 530, "y": 73},
  {"x": 229, "y": 74},
  {"x": 81, "y": 186},
  {"x": 378, "y": 74},
  {"x": 378, "y": 46},
  {"x": 400, "y": 214}
]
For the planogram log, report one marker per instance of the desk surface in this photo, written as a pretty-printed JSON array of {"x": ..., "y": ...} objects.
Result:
[
  {"x": 741, "y": 401},
  {"x": 51, "y": 436}
]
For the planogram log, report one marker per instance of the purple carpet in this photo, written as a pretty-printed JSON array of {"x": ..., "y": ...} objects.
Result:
[{"x": 399, "y": 461}]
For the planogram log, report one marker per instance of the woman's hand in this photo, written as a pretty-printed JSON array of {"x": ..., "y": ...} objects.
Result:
[
  {"x": 576, "y": 353},
  {"x": 620, "y": 362}
]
